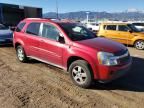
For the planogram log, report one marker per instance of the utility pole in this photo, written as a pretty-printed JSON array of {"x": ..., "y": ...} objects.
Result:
[
  {"x": 57, "y": 10},
  {"x": 87, "y": 16}
]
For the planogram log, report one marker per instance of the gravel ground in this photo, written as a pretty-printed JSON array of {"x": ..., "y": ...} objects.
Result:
[{"x": 38, "y": 85}]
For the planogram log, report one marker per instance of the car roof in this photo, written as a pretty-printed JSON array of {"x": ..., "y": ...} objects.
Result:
[
  {"x": 114, "y": 23},
  {"x": 57, "y": 21},
  {"x": 36, "y": 19}
]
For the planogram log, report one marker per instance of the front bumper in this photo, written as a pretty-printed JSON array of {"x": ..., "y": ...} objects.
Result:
[
  {"x": 6, "y": 41},
  {"x": 107, "y": 74}
]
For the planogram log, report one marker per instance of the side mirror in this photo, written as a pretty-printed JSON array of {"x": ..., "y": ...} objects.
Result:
[
  {"x": 130, "y": 31},
  {"x": 61, "y": 38}
]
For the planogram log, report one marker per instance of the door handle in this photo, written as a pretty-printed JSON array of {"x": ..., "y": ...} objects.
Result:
[{"x": 42, "y": 41}]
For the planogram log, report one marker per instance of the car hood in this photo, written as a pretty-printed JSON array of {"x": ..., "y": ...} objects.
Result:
[
  {"x": 103, "y": 44},
  {"x": 138, "y": 34},
  {"x": 5, "y": 32}
]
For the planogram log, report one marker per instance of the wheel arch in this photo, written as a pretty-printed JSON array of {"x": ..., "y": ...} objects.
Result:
[
  {"x": 17, "y": 44},
  {"x": 74, "y": 58},
  {"x": 137, "y": 40}
]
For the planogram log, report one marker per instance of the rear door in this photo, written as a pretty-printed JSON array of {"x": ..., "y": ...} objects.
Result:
[
  {"x": 110, "y": 32},
  {"x": 51, "y": 50},
  {"x": 32, "y": 39}
]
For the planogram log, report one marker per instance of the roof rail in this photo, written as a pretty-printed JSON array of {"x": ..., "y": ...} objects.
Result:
[
  {"x": 37, "y": 19},
  {"x": 32, "y": 18}
]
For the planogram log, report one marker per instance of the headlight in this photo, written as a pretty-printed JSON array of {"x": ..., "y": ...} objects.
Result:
[{"x": 107, "y": 59}]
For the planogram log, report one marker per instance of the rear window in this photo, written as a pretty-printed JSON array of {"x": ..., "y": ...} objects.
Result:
[
  {"x": 2, "y": 27},
  {"x": 20, "y": 27},
  {"x": 111, "y": 27},
  {"x": 33, "y": 29}
]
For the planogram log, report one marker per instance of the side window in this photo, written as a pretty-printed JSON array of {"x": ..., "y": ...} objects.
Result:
[
  {"x": 49, "y": 31},
  {"x": 122, "y": 28},
  {"x": 111, "y": 27},
  {"x": 20, "y": 27},
  {"x": 33, "y": 29}
]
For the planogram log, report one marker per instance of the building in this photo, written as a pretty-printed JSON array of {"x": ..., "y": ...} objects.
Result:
[{"x": 11, "y": 14}]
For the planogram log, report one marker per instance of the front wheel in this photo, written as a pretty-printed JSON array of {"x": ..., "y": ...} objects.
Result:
[
  {"x": 21, "y": 54},
  {"x": 80, "y": 73},
  {"x": 139, "y": 44}
]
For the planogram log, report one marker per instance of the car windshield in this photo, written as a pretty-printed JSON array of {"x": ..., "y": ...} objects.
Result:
[
  {"x": 2, "y": 27},
  {"x": 133, "y": 28},
  {"x": 76, "y": 32},
  {"x": 138, "y": 24}
]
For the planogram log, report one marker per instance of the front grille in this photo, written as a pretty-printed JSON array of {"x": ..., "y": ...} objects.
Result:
[
  {"x": 124, "y": 60},
  {"x": 121, "y": 52}
]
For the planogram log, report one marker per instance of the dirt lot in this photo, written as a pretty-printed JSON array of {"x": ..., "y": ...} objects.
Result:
[{"x": 38, "y": 85}]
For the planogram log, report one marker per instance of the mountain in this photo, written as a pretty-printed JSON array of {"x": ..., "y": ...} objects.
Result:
[
  {"x": 134, "y": 10},
  {"x": 130, "y": 14}
]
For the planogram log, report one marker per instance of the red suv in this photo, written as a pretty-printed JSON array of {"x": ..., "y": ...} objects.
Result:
[{"x": 73, "y": 48}]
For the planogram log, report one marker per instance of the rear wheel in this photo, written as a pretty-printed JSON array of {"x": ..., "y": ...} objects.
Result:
[
  {"x": 139, "y": 44},
  {"x": 80, "y": 73},
  {"x": 21, "y": 54}
]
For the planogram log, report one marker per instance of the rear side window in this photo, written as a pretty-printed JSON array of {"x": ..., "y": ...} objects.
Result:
[
  {"x": 33, "y": 28},
  {"x": 111, "y": 27},
  {"x": 20, "y": 27}
]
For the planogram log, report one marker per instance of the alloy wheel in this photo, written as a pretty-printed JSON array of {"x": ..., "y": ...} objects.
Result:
[
  {"x": 20, "y": 54},
  {"x": 79, "y": 75},
  {"x": 139, "y": 45}
]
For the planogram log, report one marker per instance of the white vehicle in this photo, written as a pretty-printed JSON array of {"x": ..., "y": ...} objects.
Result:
[
  {"x": 93, "y": 26},
  {"x": 139, "y": 26}
]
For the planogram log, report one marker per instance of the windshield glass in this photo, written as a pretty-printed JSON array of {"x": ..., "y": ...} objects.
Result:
[
  {"x": 76, "y": 32},
  {"x": 133, "y": 28},
  {"x": 138, "y": 24},
  {"x": 2, "y": 27}
]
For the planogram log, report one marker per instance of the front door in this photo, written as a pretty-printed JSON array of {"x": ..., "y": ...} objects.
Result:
[
  {"x": 124, "y": 36},
  {"x": 51, "y": 50}
]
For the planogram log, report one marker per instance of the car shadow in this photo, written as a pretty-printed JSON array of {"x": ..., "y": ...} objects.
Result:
[
  {"x": 133, "y": 81},
  {"x": 33, "y": 61},
  {"x": 49, "y": 66},
  {"x": 8, "y": 45}
]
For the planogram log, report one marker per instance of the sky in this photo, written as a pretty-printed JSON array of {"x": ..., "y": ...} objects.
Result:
[{"x": 81, "y": 5}]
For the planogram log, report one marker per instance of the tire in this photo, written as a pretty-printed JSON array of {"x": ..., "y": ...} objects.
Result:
[
  {"x": 139, "y": 45},
  {"x": 81, "y": 73},
  {"x": 21, "y": 54}
]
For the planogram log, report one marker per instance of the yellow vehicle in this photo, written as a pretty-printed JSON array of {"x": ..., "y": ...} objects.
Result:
[{"x": 123, "y": 33}]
